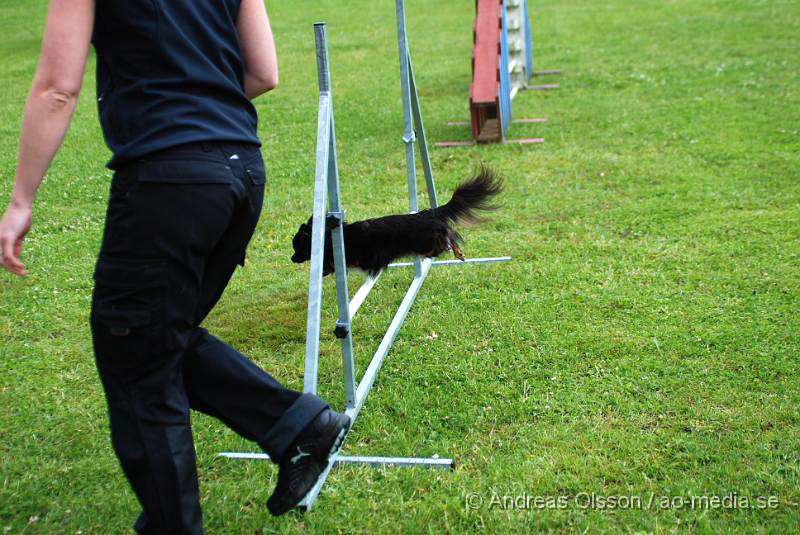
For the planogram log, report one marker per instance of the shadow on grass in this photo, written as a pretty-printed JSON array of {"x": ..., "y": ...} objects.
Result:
[{"x": 268, "y": 322}]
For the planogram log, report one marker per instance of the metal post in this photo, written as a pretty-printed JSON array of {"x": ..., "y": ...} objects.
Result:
[
  {"x": 324, "y": 118},
  {"x": 409, "y": 135},
  {"x": 504, "y": 95},
  {"x": 343, "y": 330}
]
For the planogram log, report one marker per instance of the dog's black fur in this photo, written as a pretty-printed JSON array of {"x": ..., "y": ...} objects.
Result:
[{"x": 373, "y": 244}]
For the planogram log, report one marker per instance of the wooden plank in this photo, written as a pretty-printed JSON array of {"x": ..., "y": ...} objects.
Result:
[
  {"x": 446, "y": 144},
  {"x": 485, "y": 52},
  {"x": 451, "y": 144},
  {"x": 527, "y": 120},
  {"x": 490, "y": 131}
]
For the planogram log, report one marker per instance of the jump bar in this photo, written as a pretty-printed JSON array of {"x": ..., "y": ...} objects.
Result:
[
  {"x": 361, "y": 294},
  {"x": 457, "y": 262}
]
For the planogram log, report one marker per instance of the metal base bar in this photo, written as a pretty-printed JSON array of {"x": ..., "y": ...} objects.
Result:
[
  {"x": 388, "y": 462},
  {"x": 541, "y": 87},
  {"x": 432, "y": 462}
]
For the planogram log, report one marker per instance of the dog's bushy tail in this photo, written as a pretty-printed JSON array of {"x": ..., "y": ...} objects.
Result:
[{"x": 471, "y": 197}]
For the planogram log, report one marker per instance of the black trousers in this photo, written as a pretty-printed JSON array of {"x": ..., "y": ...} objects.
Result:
[{"x": 178, "y": 224}]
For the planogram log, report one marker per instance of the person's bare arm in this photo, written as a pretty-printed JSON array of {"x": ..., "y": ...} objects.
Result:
[
  {"x": 48, "y": 112},
  {"x": 258, "y": 48}
]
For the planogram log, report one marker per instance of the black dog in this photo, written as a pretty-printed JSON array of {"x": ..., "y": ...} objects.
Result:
[{"x": 373, "y": 244}]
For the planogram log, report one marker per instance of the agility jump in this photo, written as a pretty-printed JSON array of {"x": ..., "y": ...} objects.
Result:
[{"x": 326, "y": 191}]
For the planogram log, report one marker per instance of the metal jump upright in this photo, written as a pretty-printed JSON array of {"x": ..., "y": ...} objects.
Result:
[{"x": 326, "y": 185}]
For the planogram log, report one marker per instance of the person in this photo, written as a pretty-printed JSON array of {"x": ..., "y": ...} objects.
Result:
[{"x": 175, "y": 79}]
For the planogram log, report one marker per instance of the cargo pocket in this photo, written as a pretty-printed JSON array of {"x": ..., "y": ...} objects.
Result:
[
  {"x": 128, "y": 313},
  {"x": 121, "y": 336}
]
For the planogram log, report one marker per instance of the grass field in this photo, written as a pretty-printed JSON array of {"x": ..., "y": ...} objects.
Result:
[{"x": 642, "y": 345}]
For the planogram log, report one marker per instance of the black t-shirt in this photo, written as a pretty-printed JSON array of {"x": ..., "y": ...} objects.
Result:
[{"x": 169, "y": 72}]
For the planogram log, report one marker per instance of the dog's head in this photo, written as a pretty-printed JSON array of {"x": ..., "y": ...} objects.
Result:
[{"x": 301, "y": 242}]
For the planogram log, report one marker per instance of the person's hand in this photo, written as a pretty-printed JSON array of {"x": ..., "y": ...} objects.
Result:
[{"x": 14, "y": 226}]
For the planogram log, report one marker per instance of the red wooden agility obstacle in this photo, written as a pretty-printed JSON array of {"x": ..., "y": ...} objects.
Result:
[
  {"x": 484, "y": 93},
  {"x": 502, "y": 63}
]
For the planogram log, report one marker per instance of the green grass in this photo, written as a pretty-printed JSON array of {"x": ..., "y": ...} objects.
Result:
[{"x": 643, "y": 342}]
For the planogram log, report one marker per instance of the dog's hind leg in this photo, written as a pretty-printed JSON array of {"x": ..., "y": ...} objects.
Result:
[
  {"x": 457, "y": 251},
  {"x": 453, "y": 239}
]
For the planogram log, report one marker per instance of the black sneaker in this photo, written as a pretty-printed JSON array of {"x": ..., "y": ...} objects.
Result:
[{"x": 306, "y": 459}]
